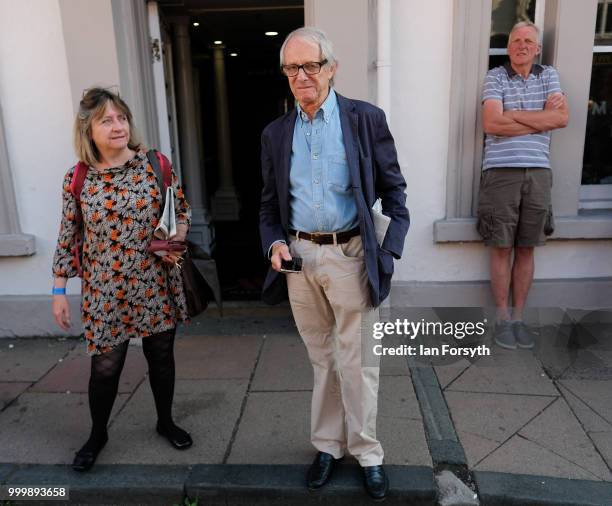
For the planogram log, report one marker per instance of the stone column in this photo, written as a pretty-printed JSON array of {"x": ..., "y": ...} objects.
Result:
[
  {"x": 225, "y": 203},
  {"x": 202, "y": 231}
]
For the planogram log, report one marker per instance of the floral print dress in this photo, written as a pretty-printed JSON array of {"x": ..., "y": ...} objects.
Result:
[{"x": 126, "y": 291}]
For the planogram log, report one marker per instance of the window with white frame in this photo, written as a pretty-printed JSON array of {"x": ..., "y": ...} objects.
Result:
[
  {"x": 504, "y": 15},
  {"x": 480, "y": 31},
  {"x": 596, "y": 190}
]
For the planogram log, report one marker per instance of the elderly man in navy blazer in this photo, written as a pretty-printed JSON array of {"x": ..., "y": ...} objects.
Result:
[{"x": 324, "y": 165}]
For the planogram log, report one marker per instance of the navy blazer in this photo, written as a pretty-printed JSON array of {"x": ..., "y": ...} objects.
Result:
[{"x": 374, "y": 173}]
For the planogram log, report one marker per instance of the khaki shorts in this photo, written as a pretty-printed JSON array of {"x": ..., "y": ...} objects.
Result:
[{"x": 514, "y": 207}]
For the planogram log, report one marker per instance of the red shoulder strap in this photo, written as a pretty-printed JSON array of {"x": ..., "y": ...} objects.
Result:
[
  {"x": 78, "y": 178},
  {"x": 166, "y": 169}
]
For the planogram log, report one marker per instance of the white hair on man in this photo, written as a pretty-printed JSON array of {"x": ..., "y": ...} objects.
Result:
[{"x": 524, "y": 24}]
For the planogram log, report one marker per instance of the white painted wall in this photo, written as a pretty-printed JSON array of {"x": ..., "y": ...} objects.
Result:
[
  {"x": 37, "y": 97},
  {"x": 89, "y": 44},
  {"x": 420, "y": 94},
  {"x": 347, "y": 24},
  {"x": 36, "y": 103}
]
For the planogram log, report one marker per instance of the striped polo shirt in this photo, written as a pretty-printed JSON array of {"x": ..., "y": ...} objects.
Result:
[{"x": 517, "y": 93}]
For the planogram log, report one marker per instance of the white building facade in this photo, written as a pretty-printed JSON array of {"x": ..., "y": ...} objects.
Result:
[{"x": 422, "y": 61}]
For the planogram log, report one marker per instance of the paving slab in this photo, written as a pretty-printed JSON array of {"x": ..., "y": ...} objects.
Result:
[
  {"x": 248, "y": 323},
  {"x": 498, "y": 489},
  {"x": 476, "y": 447},
  {"x": 278, "y": 485},
  {"x": 393, "y": 365},
  {"x": 521, "y": 456},
  {"x": 216, "y": 356},
  {"x": 10, "y": 391},
  {"x": 117, "y": 484},
  {"x": 557, "y": 429},
  {"x": 46, "y": 428},
  {"x": 283, "y": 365},
  {"x": 553, "y": 351},
  {"x": 589, "y": 419},
  {"x": 603, "y": 442},
  {"x": 400, "y": 426},
  {"x": 448, "y": 373},
  {"x": 493, "y": 416},
  {"x": 27, "y": 360},
  {"x": 275, "y": 427},
  {"x": 596, "y": 394},
  {"x": 72, "y": 373},
  {"x": 591, "y": 364},
  {"x": 506, "y": 371},
  {"x": 207, "y": 409}
]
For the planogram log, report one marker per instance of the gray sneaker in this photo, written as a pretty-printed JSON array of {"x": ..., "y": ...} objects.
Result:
[
  {"x": 522, "y": 335},
  {"x": 504, "y": 336}
]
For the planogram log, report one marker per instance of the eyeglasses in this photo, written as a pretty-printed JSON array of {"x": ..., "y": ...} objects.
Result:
[{"x": 310, "y": 68}]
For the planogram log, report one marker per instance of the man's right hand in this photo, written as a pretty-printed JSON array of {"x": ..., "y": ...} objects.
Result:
[{"x": 280, "y": 251}]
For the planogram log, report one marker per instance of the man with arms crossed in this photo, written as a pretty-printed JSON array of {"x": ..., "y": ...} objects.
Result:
[
  {"x": 324, "y": 164},
  {"x": 522, "y": 103}
]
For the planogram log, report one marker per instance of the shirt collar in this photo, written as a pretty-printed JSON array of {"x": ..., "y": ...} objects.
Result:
[
  {"x": 536, "y": 69},
  {"x": 326, "y": 109}
]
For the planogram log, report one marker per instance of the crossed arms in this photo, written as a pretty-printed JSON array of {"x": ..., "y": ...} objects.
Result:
[{"x": 510, "y": 123}]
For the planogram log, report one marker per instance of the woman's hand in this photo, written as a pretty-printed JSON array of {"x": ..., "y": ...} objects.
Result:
[
  {"x": 61, "y": 311},
  {"x": 173, "y": 258}
]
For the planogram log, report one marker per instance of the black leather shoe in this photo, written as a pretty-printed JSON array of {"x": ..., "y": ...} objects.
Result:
[
  {"x": 85, "y": 458},
  {"x": 177, "y": 437},
  {"x": 320, "y": 470},
  {"x": 376, "y": 482}
]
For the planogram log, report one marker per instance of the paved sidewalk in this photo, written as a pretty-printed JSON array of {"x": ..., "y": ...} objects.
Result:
[{"x": 530, "y": 424}]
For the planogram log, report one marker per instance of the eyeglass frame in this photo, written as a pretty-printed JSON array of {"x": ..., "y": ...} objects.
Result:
[{"x": 320, "y": 63}]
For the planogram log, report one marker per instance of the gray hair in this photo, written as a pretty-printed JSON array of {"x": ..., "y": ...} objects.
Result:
[
  {"x": 313, "y": 35},
  {"x": 523, "y": 24}
]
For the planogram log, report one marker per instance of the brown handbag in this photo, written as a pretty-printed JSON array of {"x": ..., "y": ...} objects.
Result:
[{"x": 197, "y": 291}]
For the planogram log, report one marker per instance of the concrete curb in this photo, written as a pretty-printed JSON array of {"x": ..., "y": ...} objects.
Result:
[
  {"x": 501, "y": 489},
  {"x": 218, "y": 484},
  {"x": 285, "y": 485},
  {"x": 106, "y": 484},
  {"x": 444, "y": 445},
  {"x": 232, "y": 485}
]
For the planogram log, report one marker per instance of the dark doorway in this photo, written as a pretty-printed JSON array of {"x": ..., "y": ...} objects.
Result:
[{"x": 257, "y": 94}]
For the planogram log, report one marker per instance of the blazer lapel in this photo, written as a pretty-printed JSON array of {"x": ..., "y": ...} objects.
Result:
[
  {"x": 285, "y": 166},
  {"x": 349, "y": 122}
]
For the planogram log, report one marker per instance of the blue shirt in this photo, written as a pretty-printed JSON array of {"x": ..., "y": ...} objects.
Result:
[{"x": 320, "y": 194}]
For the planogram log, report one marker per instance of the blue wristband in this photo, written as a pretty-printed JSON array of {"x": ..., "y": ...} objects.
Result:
[{"x": 58, "y": 291}]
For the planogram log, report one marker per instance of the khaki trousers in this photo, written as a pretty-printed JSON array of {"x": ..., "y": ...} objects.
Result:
[{"x": 330, "y": 303}]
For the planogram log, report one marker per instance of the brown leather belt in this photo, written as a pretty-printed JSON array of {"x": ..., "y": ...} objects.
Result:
[{"x": 326, "y": 238}]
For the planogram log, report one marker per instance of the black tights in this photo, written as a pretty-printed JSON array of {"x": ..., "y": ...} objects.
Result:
[{"x": 104, "y": 384}]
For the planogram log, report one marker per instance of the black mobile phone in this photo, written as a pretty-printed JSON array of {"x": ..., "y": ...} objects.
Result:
[{"x": 293, "y": 265}]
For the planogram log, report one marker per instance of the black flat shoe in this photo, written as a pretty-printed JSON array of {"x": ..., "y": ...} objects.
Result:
[
  {"x": 320, "y": 470},
  {"x": 85, "y": 458},
  {"x": 376, "y": 482},
  {"x": 177, "y": 437}
]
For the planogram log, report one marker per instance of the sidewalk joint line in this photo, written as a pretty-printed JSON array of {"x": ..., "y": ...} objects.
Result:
[
  {"x": 456, "y": 377},
  {"x": 230, "y": 444},
  {"x": 586, "y": 404},
  {"x": 12, "y": 401},
  {"x": 561, "y": 457},
  {"x": 586, "y": 432},
  {"x": 516, "y": 433}
]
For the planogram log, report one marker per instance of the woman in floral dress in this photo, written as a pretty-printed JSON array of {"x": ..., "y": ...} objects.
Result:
[{"x": 126, "y": 291}]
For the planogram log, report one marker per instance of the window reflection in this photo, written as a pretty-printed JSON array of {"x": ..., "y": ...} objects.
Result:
[
  {"x": 597, "y": 160},
  {"x": 505, "y": 14}
]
